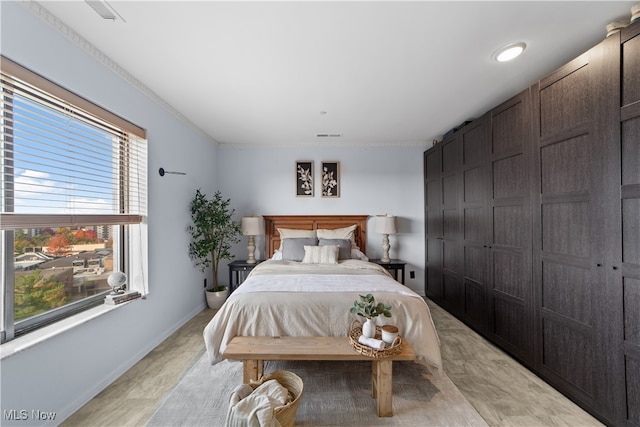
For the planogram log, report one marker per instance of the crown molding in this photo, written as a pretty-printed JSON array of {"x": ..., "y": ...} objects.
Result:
[{"x": 54, "y": 22}]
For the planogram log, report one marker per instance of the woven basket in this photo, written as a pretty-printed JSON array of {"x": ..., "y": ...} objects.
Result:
[
  {"x": 356, "y": 331},
  {"x": 286, "y": 415}
]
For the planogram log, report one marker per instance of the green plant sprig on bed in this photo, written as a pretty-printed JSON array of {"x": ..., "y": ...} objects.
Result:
[{"x": 368, "y": 308}]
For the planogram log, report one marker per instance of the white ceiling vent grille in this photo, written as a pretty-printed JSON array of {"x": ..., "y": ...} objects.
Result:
[
  {"x": 104, "y": 9},
  {"x": 328, "y": 135}
]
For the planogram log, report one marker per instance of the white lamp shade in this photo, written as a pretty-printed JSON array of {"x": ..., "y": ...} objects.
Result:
[
  {"x": 386, "y": 224},
  {"x": 251, "y": 225}
]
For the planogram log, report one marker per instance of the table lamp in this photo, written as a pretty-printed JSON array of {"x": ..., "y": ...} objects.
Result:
[
  {"x": 251, "y": 227},
  {"x": 385, "y": 225}
]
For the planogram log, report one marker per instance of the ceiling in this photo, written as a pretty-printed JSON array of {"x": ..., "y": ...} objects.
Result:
[{"x": 376, "y": 73}]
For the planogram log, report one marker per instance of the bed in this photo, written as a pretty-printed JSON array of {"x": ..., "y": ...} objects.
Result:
[{"x": 312, "y": 296}]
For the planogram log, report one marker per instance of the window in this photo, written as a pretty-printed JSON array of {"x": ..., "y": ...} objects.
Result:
[{"x": 73, "y": 198}]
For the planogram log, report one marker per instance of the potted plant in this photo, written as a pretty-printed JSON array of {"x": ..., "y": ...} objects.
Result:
[
  {"x": 213, "y": 232},
  {"x": 368, "y": 308}
]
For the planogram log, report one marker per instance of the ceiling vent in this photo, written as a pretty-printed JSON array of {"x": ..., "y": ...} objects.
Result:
[
  {"x": 328, "y": 135},
  {"x": 104, "y": 9}
]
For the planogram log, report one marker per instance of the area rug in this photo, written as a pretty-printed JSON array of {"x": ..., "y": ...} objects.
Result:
[{"x": 335, "y": 394}]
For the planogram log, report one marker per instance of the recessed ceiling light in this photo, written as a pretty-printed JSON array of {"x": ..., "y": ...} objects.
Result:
[{"x": 509, "y": 52}]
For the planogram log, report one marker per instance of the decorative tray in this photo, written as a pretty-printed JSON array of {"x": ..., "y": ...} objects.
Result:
[{"x": 356, "y": 331}]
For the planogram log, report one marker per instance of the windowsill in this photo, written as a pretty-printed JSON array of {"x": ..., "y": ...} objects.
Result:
[{"x": 38, "y": 336}]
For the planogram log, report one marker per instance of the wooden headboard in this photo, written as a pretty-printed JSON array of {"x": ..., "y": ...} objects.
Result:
[{"x": 312, "y": 222}]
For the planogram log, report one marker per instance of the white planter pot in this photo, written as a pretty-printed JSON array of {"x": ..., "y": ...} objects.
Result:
[{"x": 216, "y": 299}]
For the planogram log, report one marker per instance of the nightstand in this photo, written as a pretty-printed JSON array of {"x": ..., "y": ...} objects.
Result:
[
  {"x": 394, "y": 266},
  {"x": 241, "y": 268}
]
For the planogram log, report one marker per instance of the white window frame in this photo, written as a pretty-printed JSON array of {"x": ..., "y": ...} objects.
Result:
[{"x": 130, "y": 232}]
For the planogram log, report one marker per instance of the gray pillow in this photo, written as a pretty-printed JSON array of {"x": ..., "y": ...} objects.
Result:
[
  {"x": 293, "y": 248},
  {"x": 344, "y": 246}
]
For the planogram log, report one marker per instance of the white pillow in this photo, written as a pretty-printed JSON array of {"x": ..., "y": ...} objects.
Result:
[
  {"x": 277, "y": 255},
  {"x": 339, "y": 233},
  {"x": 292, "y": 233},
  {"x": 357, "y": 254},
  {"x": 320, "y": 254}
]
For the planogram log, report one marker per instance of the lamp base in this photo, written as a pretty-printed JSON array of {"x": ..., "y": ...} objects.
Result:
[
  {"x": 385, "y": 248},
  {"x": 251, "y": 248}
]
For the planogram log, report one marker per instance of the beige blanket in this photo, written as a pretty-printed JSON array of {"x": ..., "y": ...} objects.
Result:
[{"x": 281, "y": 298}]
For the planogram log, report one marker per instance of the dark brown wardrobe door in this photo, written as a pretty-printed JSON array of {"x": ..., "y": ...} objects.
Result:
[
  {"x": 568, "y": 242},
  {"x": 509, "y": 227},
  {"x": 474, "y": 195},
  {"x": 624, "y": 242},
  {"x": 433, "y": 223},
  {"x": 443, "y": 230},
  {"x": 451, "y": 227}
]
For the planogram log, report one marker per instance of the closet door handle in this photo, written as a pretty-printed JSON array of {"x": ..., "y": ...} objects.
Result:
[
  {"x": 614, "y": 267},
  {"x": 598, "y": 265}
]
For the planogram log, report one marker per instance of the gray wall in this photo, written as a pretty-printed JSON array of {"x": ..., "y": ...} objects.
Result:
[{"x": 374, "y": 180}]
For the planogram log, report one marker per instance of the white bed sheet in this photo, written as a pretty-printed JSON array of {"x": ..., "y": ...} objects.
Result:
[{"x": 281, "y": 298}]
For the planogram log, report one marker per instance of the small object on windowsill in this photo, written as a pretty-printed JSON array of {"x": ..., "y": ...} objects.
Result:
[
  {"x": 118, "y": 282},
  {"x": 121, "y": 298}
]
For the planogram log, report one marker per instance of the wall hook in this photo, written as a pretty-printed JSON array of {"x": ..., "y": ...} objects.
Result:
[{"x": 161, "y": 171}]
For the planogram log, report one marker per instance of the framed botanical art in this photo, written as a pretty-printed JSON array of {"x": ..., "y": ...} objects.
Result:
[
  {"x": 330, "y": 179},
  {"x": 304, "y": 179}
]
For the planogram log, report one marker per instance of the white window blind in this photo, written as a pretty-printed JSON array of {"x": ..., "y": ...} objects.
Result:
[
  {"x": 63, "y": 165},
  {"x": 72, "y": 202}
]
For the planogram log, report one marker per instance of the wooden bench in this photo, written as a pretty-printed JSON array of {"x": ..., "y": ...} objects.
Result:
[{"x": 253, "y": 351}]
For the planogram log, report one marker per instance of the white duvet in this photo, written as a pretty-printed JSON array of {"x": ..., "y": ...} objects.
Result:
[{"x": 284, "y": 298}]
